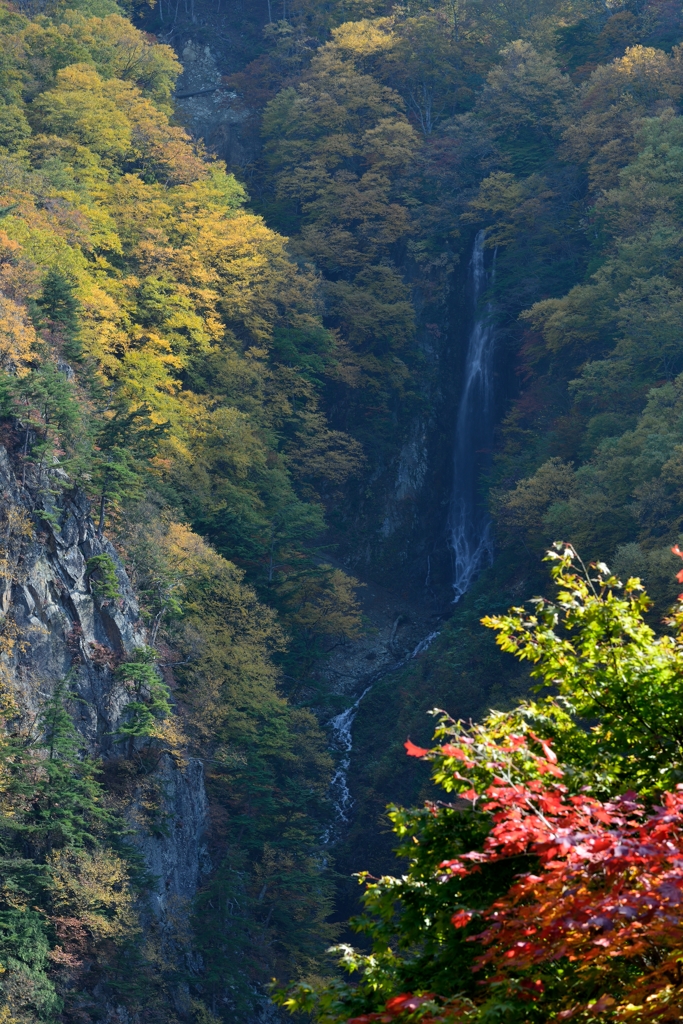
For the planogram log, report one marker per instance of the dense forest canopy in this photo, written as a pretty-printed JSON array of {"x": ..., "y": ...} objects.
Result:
[
  {"x": 144, "y": 313},
  {"x": 232, "y": 362}
]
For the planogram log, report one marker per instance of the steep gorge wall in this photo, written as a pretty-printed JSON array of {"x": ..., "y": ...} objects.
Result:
[
  {"x": 62, "y": 626},
  {"x": 53, "y": 626}
]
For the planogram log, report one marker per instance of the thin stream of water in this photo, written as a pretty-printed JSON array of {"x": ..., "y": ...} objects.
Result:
[
  {"x": 470, "y": 524},
  {"x": 342, "y": 741},
  {"x": 471, "y": 534}
]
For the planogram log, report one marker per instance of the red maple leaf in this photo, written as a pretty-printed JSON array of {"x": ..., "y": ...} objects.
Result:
[{"x": 414, "y": 751}]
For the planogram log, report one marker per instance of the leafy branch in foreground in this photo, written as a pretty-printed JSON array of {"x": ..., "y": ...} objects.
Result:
[{"x": 546, "y": 889}]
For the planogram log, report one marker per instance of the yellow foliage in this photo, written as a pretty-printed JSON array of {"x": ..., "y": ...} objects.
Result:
[
  {"x": 113, "y": 119},
  {"x": 106, "y": 328},
  {"x": 17, "y": 337},
  {"x": 258, "y": 285},
  {"x": 170, "y": 735},
  {"x": 226, "y": 636},
  {"x": 146, "y": 377},
  {"x": 161, "y": 148},
  {"x": 15, "y": 528},
  {"x": 112, "y": 45},
  {"x": 615, "y": 99},
  {"x": 577, "y": 319},
  {"x": 318, "y": 452},
  {"x": 79, "y": 108},
  {"x": 514, "y": 205},
  {"x": 18, "y": 277},
  {"x": 643, "y": 73},
  {"x": 8, "y": 704},
  {"x": 11, "y": 637},
  {"x": 96, "y": 888},
  {"x": 524, "y": 508},
  {"x": 527, "y": 91},
  {"x": 121, "y": 51},
  {"x": 324, "y": 602},
  {"x": 48, "y": 241},
  {"x": 360, "y": 38}
]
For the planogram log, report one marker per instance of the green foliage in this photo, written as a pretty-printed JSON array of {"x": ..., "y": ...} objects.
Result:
[
  {"x": 266, "y": 904},
  {"x": 337, "y": 147},
  {"x": 197, "y": 385},
  {"x": 52, "y": 815},
  {"x": 257, "y": 388},
  {"x": 60, "y": 306},
  {"x": 44, "y": 403},
  {"x": 151, "y": 698},
  {"x": 614, "y": 718},
  {"x": 24, "y": 949},
  {"x": 559, "y": 144},
  {"x": 200, "y": 376},
  {"x": 605, "y": 469},
  {"x": 14, "y": 127},
  {"x": 101, "y": 571},
  {"x": 609, "y": 666},
  {"x": 576, "y": 181}
]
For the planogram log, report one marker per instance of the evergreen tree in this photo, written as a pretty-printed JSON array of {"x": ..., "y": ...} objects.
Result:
[
  {"x": 151, "y": 702},
  {"x": 66, "y": 809},
  {"x": 59, "y": 305},
  {"x": 51, "y": 814}
]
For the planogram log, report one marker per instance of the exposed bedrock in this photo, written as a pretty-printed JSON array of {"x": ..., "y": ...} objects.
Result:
[{"x": 52, "y": 625}]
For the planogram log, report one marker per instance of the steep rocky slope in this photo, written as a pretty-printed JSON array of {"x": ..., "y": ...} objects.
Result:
[{"x": 54, "y": 626}]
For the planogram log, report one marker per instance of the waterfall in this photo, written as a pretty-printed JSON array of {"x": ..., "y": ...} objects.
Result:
[
  {"x": 470, "y": 524},
  {"x": 340, "y": 730}
]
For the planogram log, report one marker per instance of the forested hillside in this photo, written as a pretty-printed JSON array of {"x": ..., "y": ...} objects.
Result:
[
  {"x": 251, "y": 372},
  {"x": 161, "y": 345}
]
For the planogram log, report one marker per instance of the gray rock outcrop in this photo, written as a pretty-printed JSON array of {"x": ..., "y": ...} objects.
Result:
[{"x": 54, "y": 624}]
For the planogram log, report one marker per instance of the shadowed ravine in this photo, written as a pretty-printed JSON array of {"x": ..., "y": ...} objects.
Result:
[{"x": 470, "y": 528}]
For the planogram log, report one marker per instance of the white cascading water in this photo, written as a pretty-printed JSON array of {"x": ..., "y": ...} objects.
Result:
[
  {"x": 470, "y": 524},
  {"x": 471, "y": 537},
  {"x": 342, "y": 742}
]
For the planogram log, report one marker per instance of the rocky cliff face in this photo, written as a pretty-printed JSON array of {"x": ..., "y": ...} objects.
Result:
[
  {"x": 53, "y": 624},
  {"x": 210, "y": 110},
  {"x": 60, "y": 625}
]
